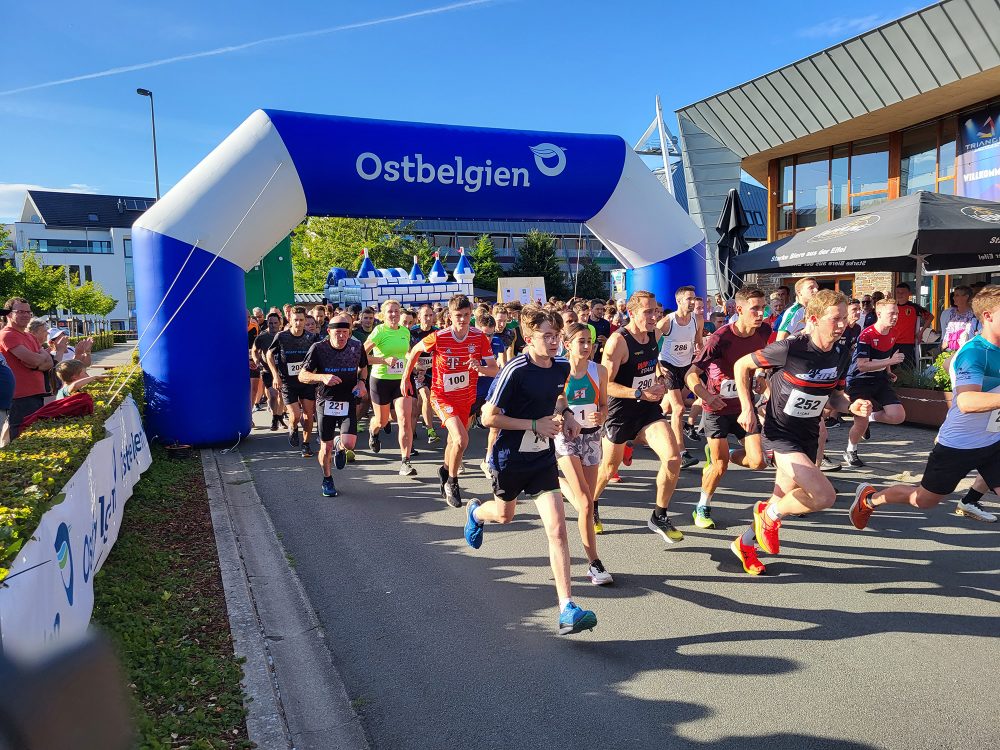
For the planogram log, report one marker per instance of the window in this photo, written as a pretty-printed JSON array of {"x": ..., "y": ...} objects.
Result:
[
  {"x": 93, "y": 247},
  {"x": 838, "y": 182},
  {"x": 918, "y": 159},
  {"x": 786, "y": 195},
  {"x": 88, "y": 273},
  {"x": 92, "y": 217},
  {"x": 946, "y": 157},
  {"x": 812, "y": 205},
  {"x": 74, "y": 274}
]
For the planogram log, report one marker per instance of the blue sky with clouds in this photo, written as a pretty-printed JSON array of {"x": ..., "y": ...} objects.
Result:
[{"x": 70, "y": 117}]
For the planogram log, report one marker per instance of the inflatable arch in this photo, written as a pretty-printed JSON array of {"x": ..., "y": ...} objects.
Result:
[{"x": 193, "y": 246}]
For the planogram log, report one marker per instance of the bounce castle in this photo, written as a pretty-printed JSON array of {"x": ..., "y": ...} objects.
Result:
[{"x": 372, "y": 286}]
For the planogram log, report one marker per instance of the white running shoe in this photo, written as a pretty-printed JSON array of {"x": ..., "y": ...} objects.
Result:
[
  {"x": 973, "y": 510},
  {"x": 598, "y": 575},
  {"x": 485, "y": 468}
]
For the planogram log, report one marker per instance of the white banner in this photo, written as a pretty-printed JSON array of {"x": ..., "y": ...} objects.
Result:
[{"x": 48, "y": 595}]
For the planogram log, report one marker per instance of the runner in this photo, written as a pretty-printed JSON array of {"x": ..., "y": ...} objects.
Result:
[
  {"x": 634, "y": 411},
  {"x": 386, "y": 347},
  {"x": 586, "y": 394},
  {"x": 808, "y": 372},
  {"x": 721, "y": 402},
  {"x": 793, "y": 320},
  {"x": 259, "y": 352},
  {"x": 680, "y": 334},
  {"x": 529, "y": 408},
  {"x": 337, "y": 366},
  {"x": 422, "y": 373},
  {"x": 968, "y": 440},
  {"x": 459, "y": 352},
  {"x": 284, "y": 357},
  {"x": 870, "y": 377}
]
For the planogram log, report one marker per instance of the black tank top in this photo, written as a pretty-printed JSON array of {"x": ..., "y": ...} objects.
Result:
[{"x": 639, "y": 370}]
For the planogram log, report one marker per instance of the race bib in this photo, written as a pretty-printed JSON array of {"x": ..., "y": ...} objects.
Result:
[
  {"x": 335, "y": 408},
  {"x": 396, "y": 369},
  {"x": 293, "y": 368},
  {"x": 456, "y": 381},
  {"x": 532, "y": 443},
  {"x": 727, "y": 389},
  {"x": 804, "y": 405},
  {"x": 582, "y": 412},
  {"x": 425, "y": 362},
  {"x": 643, "y": 382},
  {"x": 994, "y": 424},
  {"x": 680, "y": 348}
]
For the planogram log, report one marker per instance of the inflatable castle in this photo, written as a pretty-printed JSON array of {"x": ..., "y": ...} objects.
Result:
[{"x": 373, "y": 286}]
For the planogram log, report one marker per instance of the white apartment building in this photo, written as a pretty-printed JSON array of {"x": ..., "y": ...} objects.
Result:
[{"x": 90, "y": 235}]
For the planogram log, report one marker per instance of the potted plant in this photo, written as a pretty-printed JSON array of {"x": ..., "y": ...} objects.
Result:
[{"x": 926, "y": 395}]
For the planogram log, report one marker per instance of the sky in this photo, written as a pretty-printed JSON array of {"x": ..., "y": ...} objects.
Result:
[{"x": 70, "y": 118}]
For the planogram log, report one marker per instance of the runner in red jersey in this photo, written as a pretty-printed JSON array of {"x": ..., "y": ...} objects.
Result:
[{"x": 459, "y": 353}]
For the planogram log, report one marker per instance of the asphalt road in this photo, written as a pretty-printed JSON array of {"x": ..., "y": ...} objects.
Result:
[{"x": 881, "y": 639}]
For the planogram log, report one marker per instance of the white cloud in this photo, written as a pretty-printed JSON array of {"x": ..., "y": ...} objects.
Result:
[
  {"x": 843, "y": 28},
  {"x": 12, "y": 197}
]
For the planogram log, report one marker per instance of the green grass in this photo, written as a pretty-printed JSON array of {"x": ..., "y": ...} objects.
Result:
[{"x": 159, "y": 597}]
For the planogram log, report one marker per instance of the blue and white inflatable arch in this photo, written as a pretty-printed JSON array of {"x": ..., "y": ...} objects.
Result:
[{"x": 192, "y": 247}]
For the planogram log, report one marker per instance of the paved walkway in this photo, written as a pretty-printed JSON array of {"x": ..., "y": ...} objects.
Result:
[
  {"x": 117, "y": 355},
  {"x": 879, "y": 639}
]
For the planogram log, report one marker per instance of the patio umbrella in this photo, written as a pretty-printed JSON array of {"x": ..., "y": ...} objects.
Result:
[
  {"x": 732, "y": 226},
  {"x": 943, "y": 231}
]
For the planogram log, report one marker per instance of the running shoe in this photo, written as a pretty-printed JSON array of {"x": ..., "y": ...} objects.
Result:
[
  {"x": 339, "y": 455},
  {"x": 769, "y": 456},
  {"x": 861, "y": 511},
  {"x": 827, "y": 465},
  {"x": 329, "y": 488},
  {"x": 832, "y": 422},
  {"x": 485, "y": 468},
  {"x": 691, "y": 433},
  {"x": 598, "y": 575},
  {"x": 662, "y": 526},
  {"x": 374, "y": 442},
  {"x": 293, "y": 437},
  {"x": 573, "y": 619},
  {"x": 414, "y": 452},
  {"x": 615, "y": 478},
  {"x": 387, "y": 429},
  {"x": 432, "y": 436},
  {"x": 687, "y": 460},
  {"x": 452, "y": 493},
  {"x": 307, "y": 450},
  {"x": 973, "y": 509},
  {"x": 473, "y": 529},
  {"x": 627, "y": 455},
  {"x": 598, "y": 526},
  {"x": 765, "y": 529},
  {"x": 868, "y": 433},
  {"x": 274, "y": 424},
  {"x": 851, "y": 459},
  {"x": 702, "y": 516},
  {"x": 406, "y": 468},
  {"x": 461, "y": 468},
  {"x": 350, "y": 456},
  {"x": 748, "y": 556},
  {"x": 281, "y": 421},
  {"x": 443, "y": 477}
]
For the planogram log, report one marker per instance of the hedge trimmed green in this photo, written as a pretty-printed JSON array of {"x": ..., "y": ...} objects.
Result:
[
  {"x": 101, "y": 340},
  {"x": 34, "y": 468}
]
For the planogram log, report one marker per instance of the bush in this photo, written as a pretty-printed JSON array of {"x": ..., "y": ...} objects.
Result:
[
  {"x": 122, "y": 336},
  {"x": 101, "y": 340},
  {"x": 34, "y": 468}
]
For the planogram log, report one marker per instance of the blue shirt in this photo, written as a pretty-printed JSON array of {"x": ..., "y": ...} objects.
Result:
[
  {"x": 976, "y": 363},
  {"x": 483, "y": 383},
  {"x": 6, "y": 385}
]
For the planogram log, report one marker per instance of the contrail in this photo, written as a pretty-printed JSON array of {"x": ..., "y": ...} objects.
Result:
[{"x": 247, "y": 45}]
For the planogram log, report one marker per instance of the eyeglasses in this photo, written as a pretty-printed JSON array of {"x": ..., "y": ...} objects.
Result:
[
  {"x": 549, "y": 338},
  {"x": 22, "y": 312}
]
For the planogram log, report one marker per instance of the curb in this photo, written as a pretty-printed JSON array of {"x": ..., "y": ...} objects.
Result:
[{"x": 294, "y": 695}]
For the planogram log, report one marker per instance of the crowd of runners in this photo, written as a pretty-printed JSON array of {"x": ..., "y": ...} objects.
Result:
[{"x": 567, "y": 391}]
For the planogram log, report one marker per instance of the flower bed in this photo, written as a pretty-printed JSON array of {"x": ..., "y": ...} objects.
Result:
[{"x": 34, "y": 468}]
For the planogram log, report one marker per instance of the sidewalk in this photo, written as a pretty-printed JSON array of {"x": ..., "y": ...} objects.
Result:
[{"x": 117, "y": 355}]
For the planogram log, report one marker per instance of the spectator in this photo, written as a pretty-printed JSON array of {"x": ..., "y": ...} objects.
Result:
[
  {"x": 959, "y": 322},
  {"x": 6, "y": 393},
  {"x": 912, "y": 318},
  {"x": 867, "y": 311},
  {"x": 57, "y": 340},
  {"x": 72, "y": 373},
  {"x": 28, "y": 362}
]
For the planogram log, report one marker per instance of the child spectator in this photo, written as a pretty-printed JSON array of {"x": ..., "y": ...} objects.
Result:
[{"x": 73, "y": 375}]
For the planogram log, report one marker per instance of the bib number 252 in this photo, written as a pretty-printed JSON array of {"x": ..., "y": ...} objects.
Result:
[{"x": 804, "y": 405}]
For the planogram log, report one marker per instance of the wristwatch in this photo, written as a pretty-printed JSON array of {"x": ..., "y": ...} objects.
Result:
[{"x": 638, "y": 394}]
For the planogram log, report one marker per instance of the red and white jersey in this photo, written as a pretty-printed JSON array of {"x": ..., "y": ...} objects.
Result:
[{"x": 452, "y": 379}]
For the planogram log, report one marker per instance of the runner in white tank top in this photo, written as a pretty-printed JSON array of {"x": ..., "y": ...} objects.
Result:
[{"x": 681, "y": 340}]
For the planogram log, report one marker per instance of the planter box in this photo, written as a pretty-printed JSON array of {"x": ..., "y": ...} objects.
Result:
[{"x": 930, "y": 410}]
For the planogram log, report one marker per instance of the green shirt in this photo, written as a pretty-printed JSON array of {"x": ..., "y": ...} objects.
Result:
[
  {"x": 361, "y": 334},
  {"x": 389, "y": 342}
]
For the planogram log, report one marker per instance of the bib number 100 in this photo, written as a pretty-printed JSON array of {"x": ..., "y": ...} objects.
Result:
[{"x": 455, "y": 381}]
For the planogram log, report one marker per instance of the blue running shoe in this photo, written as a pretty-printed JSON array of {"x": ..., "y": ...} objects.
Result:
[
  {"x": 329, "y": 489},
  {"x": 473, "y": 529},
  {"x": 340, "y": 455},
  {"x": 573, "y": 619}
]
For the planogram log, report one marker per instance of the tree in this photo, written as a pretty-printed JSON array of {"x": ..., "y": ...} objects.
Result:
[
  {"x": 43, "y": 286},
  {"x": 537, "y": 257},
  {"x": 590, "y": 280},
  {"x": 484, "y": 263}
]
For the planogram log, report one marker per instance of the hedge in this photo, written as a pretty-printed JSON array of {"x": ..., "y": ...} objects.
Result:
[
  {"x": 122, "y": 336},
  {"x": 35, "y": 467},
  {"x": 101, "y": 340}
]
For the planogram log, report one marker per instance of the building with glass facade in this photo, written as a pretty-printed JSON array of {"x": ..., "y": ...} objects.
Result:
[{"x": 911, "y": 105}]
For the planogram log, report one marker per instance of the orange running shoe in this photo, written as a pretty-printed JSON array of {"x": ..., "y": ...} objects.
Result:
[
  {"x": 765, "y": 529},
  {"x": 615, "y": 478},
  {"x": 861, "y": 511},
  {"x": 627, "y": 456},
  {"x": 748, "y": 556}
]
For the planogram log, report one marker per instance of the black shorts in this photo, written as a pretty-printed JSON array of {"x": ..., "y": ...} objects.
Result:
[
  {"x": 946, "y": 467},
  {"x": 384, "y": 392},
  {"x": 293, "y": 391},
  {"x": 721, "y": 426},
  {"x": 510, "y": 483},
  {"x": 268, "y": 377},
  {"x": 878, "y": 391},
  {"x": 673, "y": 376},
  {"x": 629, "y": 418},
  {"x": 254, "y": 373},
  {"x": 329, "y": 425},
  {"x": 783, "y": 442}
]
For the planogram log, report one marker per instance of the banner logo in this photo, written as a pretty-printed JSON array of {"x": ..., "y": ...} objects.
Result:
[
  {"x": 852, "y": 226},
  {"x": 982, "y": 213},
  {"x": 64, "y": 558},
  {"x": 544, "y": 153}
]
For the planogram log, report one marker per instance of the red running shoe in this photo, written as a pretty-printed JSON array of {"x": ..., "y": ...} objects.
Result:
[
  {"x": 748, "y": 556},
  {"x": 861, "y": 511},
  {"x": 765, "y": 529},
  {"x": 627, "y": 456},
  {"x": 615, "y": 478}
]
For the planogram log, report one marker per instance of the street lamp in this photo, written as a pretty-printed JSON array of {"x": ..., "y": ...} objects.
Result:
[{"x": 152, "y": 117}]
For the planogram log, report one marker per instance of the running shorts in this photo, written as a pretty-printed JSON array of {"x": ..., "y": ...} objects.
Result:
[
  {"x": 293, "y": 391},
  {"x": 384, "y": 392},
  {"x": 510, "y": 483},
  {"x": 268, "y": 377},
  {"x": 789, "y": 444},
  {"x": 254, "y": 373},
  {"x": 946, "y": 467},
  {"x": 673, "y": 376},
  {"x": 586, "y": 447},
  {"x": 629, "y": 419},
  {"x": 329, "y": 425},
  {"x": 879, "y": 392},
  {"x": 721, "y": 426},
  {"x": 446, "y": 410}
]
